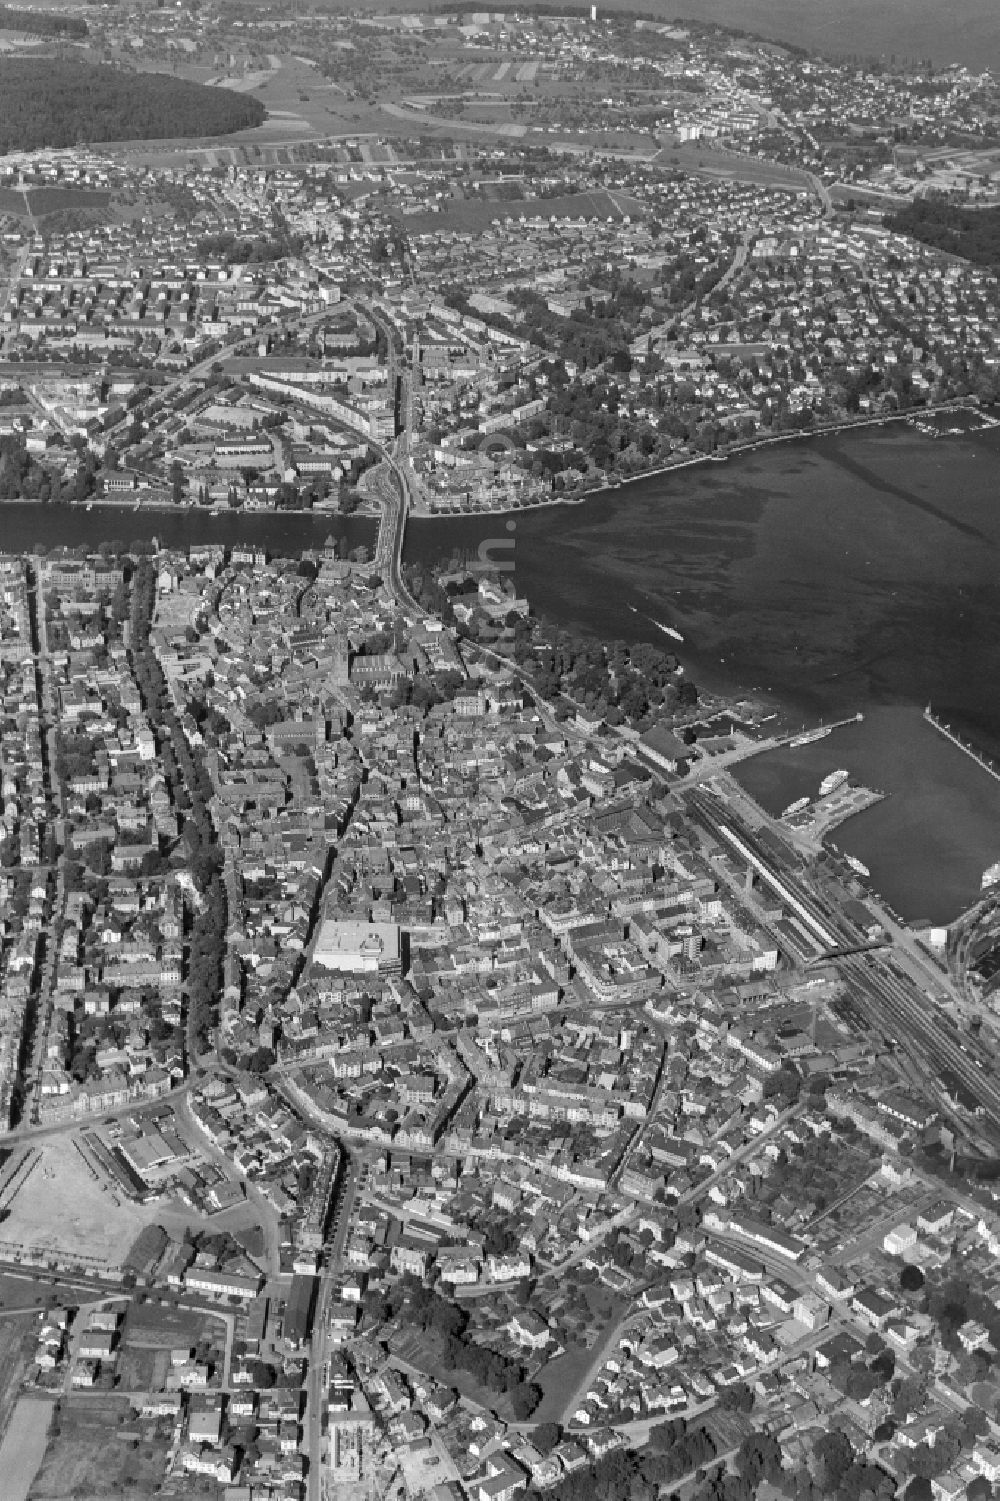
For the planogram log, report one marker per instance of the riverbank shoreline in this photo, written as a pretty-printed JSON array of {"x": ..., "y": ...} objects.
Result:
[
  {"x": 736, "y": 450},
  {"x": 577, "y": 498}
]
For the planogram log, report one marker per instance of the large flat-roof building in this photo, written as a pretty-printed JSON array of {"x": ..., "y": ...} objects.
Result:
[
  {"x": 297, "y": 1318},
  {"x": 355, "y": 948}
]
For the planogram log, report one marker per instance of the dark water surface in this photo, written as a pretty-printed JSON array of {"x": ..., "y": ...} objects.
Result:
[
  {"x": 839, "y": 573},
  {"x": 26, "y": 527},
  {"x": 929, "y": 842},
  {"x": 958, "y": 31},
  {"x": 859, "y": 571}
]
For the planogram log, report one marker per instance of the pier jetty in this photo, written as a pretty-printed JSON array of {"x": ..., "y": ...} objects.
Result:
[{"x": 970, "y": 750}]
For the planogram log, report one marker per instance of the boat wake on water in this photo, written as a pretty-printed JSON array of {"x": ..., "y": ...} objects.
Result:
[{"x": 668, "y": 630}]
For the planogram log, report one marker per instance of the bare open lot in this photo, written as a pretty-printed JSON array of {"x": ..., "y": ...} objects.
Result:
[{"x": 62, "y": 1212}]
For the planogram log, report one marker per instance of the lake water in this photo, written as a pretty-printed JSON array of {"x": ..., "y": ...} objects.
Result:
[
  {"x": 836, "y": 574},
  {"x": 962, "y": 31},
  {"x": 847, "y": 572},
  {"x": 929, "y": 842}
]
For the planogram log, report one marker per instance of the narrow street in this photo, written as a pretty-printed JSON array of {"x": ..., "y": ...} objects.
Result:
[{"x": 267, "y": 1215}]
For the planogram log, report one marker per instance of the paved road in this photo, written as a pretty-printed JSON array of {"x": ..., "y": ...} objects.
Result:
[
  {"x": 315, "y": 1383},
  {"x": 748, "y": 1149},
  {"x": 267, "y": 1215},
  {"x": 21, "y": 1134},
  {"x": 733, "y": 270}
]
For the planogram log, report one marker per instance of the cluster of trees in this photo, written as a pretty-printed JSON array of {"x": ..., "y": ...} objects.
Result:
[
  {"x": 758, "y": 1458},
  {"x": 596, "y": 416},
  {"x": 20, "y": 472},
  {"x": 946, "y": 225},
  {"x": 51, "y": 101},
  {"x": 42, "y": 23},
  {"x": 425, "y": 693},
  {"x": 784, "y": 1085},
  {"x": 952, "y": 1302},
  {"x": 926, "y": 1462},
  {"x": 684, "y": 281},
  {"x": 858, "y": 1380},
  {"x": 208, "y": 944},
  {"x": 590, "y": 335},
  {"x": 834, "y": 1469},
  {"x": 239, "y": 250},
  {"x": 624, "y": 682},
  {"x": 430, "y": 1312},
  {"x": 74, "y": 755},
  {"x": 674, "y": 1451}
]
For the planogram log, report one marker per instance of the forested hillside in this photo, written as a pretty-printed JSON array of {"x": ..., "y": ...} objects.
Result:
[
  {"x": 41, "y": 22},
  {"x": 63, "y": 102},
  {"x": 970, "y": 232}
]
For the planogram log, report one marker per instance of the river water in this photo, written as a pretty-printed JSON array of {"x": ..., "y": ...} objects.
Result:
[
  {"x": 856, "y": 571},
  {"x": 25, "y": 527}
]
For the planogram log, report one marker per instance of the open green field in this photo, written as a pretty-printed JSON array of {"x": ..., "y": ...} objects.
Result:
[
  {"x": 24, "y": 1445},
  {"x": 560, "y": 1379},
  {"x": 155, "y": 1327},
  {"x": 303, "y": 107},
  {"x": 29, "y": 1291},
  {"x": 472, "y": 215},
  {"x": 50, "y": 200},
  {"x": 143, "y": 1370},
  {"x": 557, "y": 1379},
  {"x": 730, "y": 164},
  {"x": 18, "y": 1337},
  {"x": 307, "y": 109}
]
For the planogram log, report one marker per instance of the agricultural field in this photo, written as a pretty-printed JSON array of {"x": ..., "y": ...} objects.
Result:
[
  {"x": 98, "y": 1450},
  {"x": 31, "y": 1291},
  {"x": 56, "y": 200},
  {"x": 18, "y": 1338},
  {"x": 302, "y": 106},
  {"x": 730, "y": 164},
  {"x": 12, "y": 202},
  {"x": 24, "y": 1443}
]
